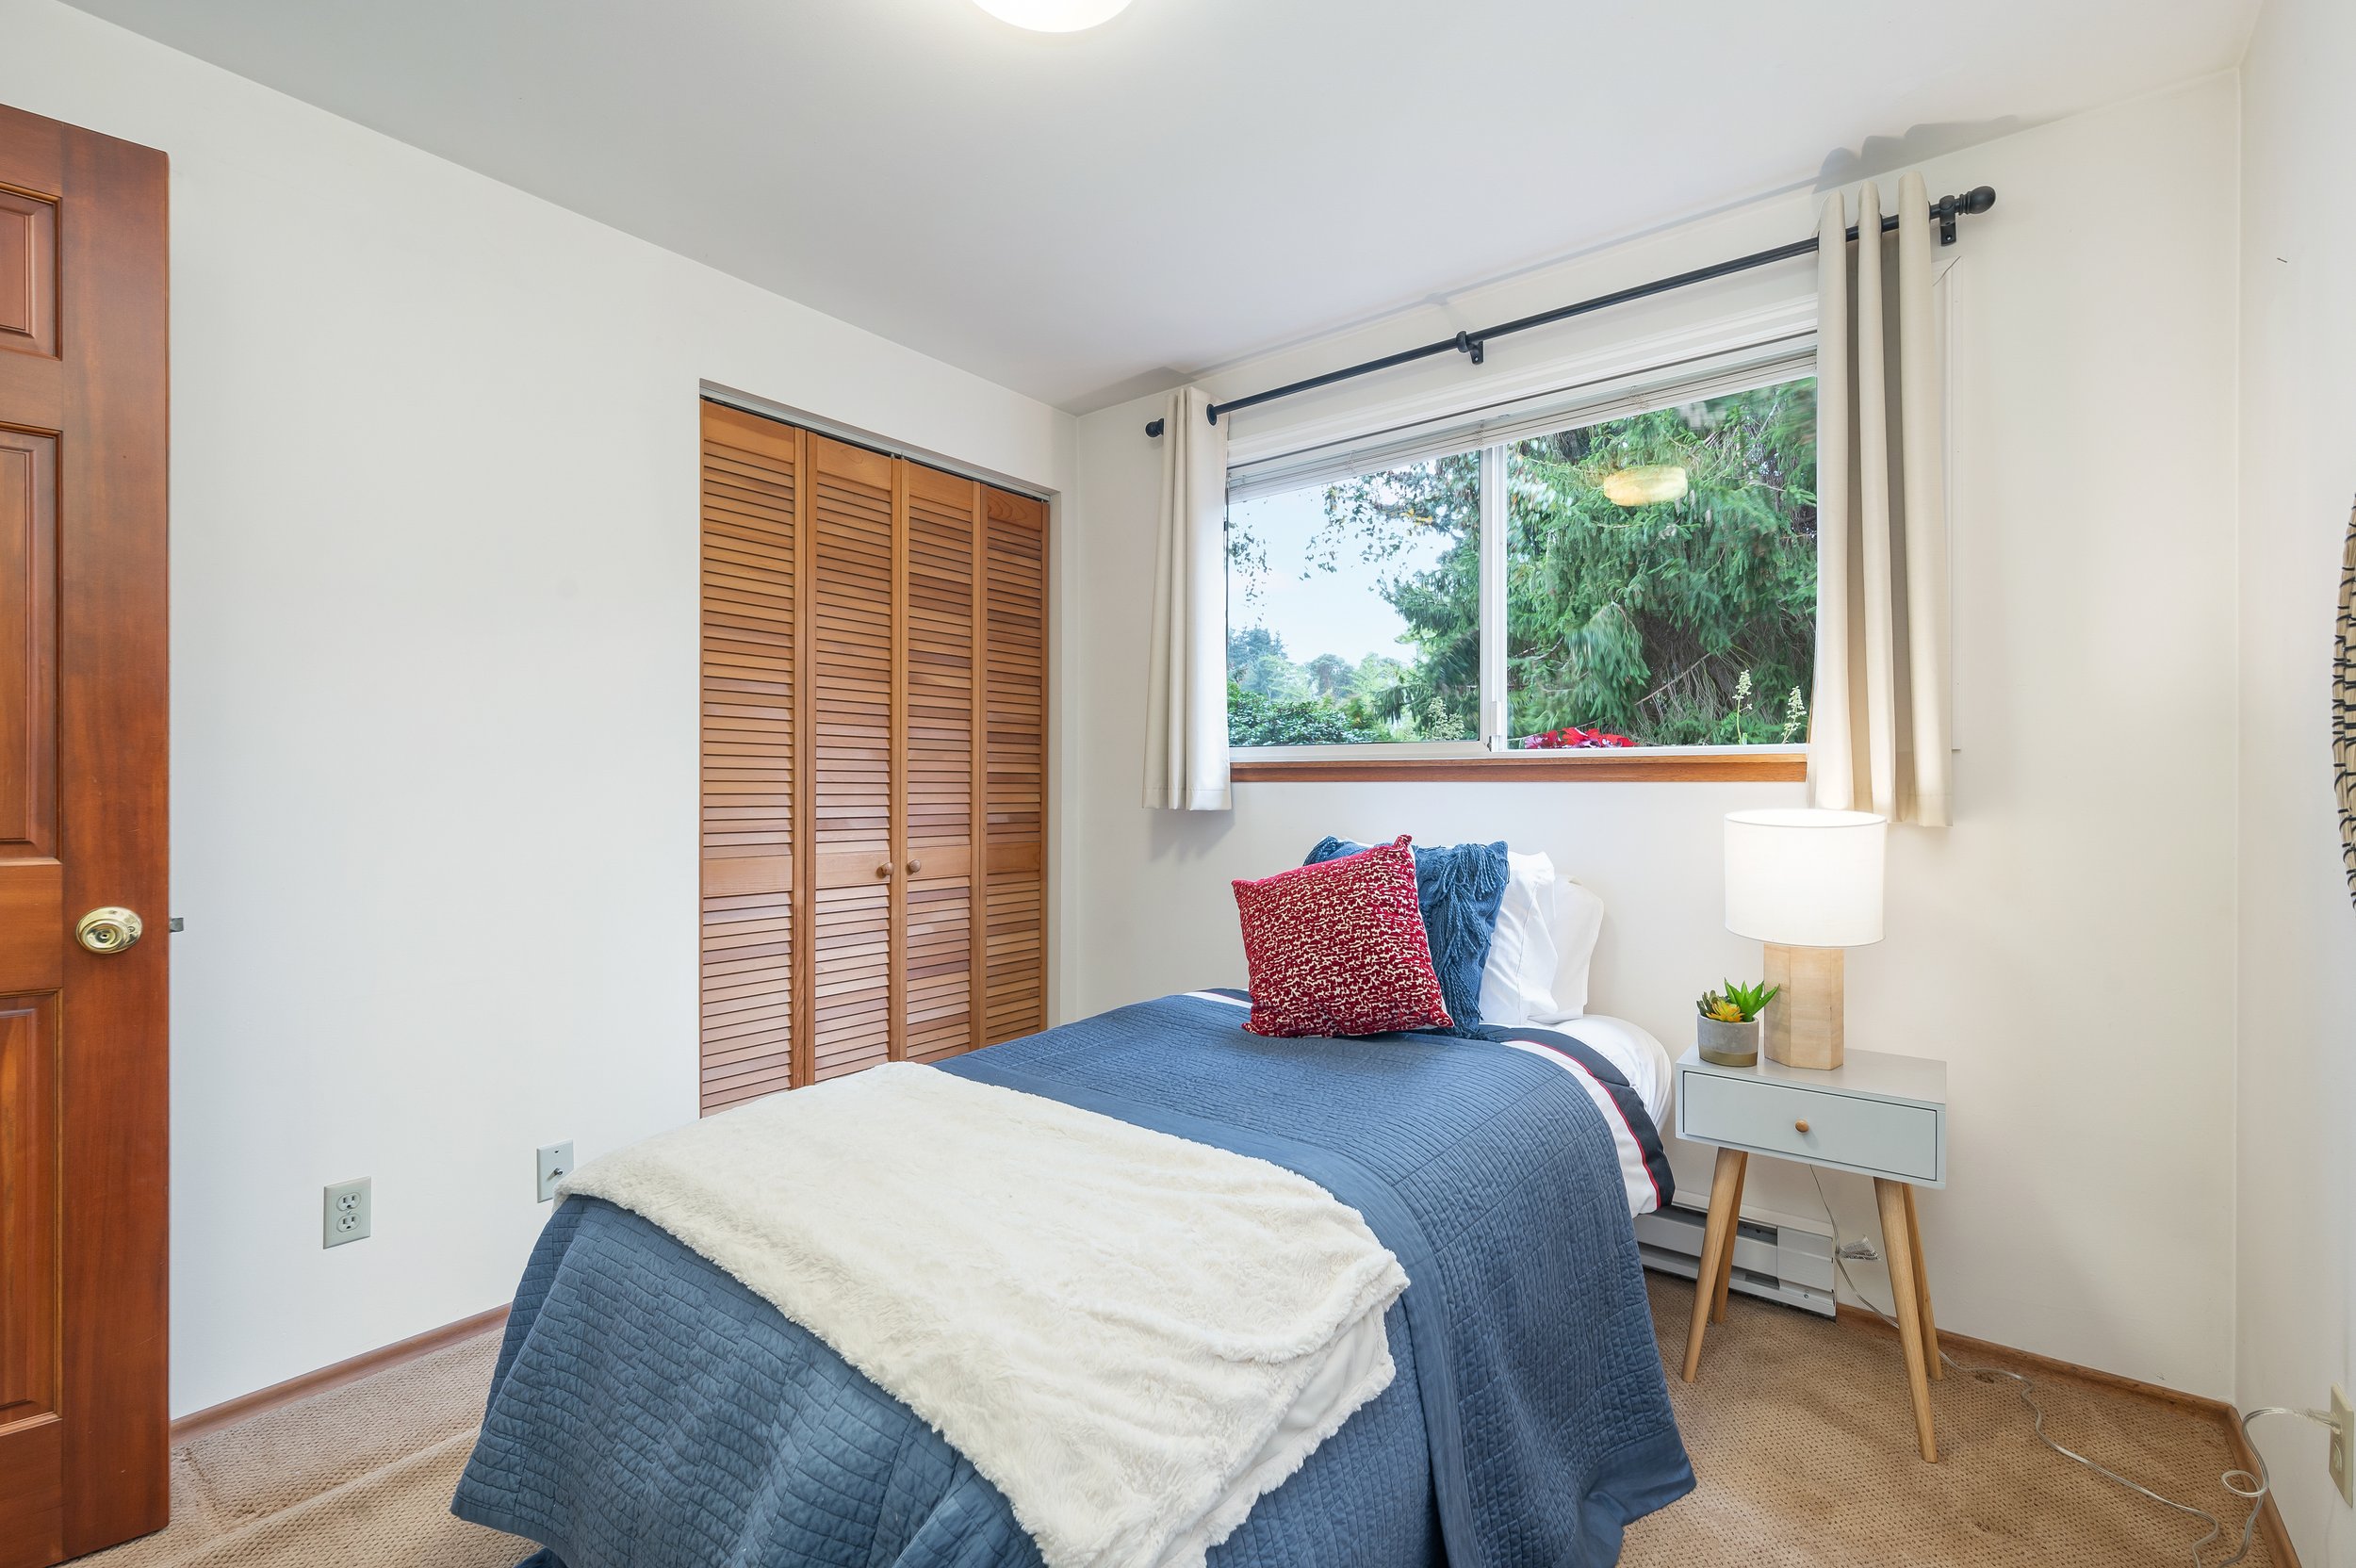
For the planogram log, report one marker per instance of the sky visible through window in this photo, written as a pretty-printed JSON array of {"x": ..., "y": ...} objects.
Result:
[{"x": 1312, "y": 610}]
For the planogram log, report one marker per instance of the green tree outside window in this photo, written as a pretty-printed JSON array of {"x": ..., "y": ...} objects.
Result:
[{"x": 1687, "y": 618}]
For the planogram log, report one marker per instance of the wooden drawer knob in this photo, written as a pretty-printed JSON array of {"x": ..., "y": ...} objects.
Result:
[{"x": 1799, "y": 1126}]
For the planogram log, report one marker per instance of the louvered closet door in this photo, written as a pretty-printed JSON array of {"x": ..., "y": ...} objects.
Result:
[
  {"x": 1015, "y": 900},
  {"x": 750, "y": 613},
  {"x": 940, "y": 695},
  {"x": 850, "y": 540},
  {"x": 875, "y": 766}
]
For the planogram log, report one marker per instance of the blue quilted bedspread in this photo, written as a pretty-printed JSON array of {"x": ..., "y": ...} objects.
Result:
[{"x": 650, "y": 1411}]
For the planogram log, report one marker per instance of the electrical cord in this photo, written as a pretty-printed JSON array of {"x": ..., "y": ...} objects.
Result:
[{"x": 2241, "y": 1483}]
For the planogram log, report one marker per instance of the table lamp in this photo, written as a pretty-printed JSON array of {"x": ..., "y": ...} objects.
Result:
[{"x": 1808, "y": 884}]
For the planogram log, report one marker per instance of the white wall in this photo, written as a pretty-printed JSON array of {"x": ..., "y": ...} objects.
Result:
[
  {"x": 2296, "y": 1110},
  {"x": 2066, "y": 946},
  {"x": 434, "y": 751},
  {"x": 434, "y": 648}
]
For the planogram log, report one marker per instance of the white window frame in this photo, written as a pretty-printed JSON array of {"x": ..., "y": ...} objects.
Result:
[{"x": 1785, "y": 351}]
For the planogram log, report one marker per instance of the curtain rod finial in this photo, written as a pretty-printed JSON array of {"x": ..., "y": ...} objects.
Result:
[
  {"x": 1948, "y": 208},
  {"x": 1153, "y": 427}
]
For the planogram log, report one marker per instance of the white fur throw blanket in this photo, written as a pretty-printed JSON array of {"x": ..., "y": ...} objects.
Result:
[{"x": 1131, "y": 1336}]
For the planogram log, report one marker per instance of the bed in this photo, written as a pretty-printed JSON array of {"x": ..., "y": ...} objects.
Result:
[{"x": 650, "y": 1408}]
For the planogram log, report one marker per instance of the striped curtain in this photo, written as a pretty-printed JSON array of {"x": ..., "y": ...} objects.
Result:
[{"x": 1879, "y": 739}]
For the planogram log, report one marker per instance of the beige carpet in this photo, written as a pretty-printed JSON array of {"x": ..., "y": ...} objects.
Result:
[
  {"x": 359, "y": 1477},
  {"x": 1799, "y": 1430},
  {"x": 1802, "y": 1439}
]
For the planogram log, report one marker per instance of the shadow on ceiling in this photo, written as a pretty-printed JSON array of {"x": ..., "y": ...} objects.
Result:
[
  {"x": 1882, "y": 153},
  {"x": 1121, "y": 391}
]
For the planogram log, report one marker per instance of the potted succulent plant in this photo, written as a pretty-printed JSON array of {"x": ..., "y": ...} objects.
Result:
[{"x": 1728, "y": 1028}]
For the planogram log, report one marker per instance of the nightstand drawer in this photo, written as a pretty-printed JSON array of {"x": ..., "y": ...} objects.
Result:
[{"x": 1872, "y": 1135}]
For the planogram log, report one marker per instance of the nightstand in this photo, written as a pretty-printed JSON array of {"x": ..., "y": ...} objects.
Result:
[{"x": 1879, "y": 1115}]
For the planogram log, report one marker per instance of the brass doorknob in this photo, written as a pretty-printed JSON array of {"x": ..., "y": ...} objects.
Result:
[
  {"x": 107, "y": 930},
  {"x": 1799, "y": 1126}
]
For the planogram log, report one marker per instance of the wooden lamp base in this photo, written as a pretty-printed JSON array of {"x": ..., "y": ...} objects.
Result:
[{"x": 1804, "y": 1021}]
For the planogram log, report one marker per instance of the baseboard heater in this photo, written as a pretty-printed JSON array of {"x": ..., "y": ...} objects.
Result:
[{"x": 1775, "y": 1258}]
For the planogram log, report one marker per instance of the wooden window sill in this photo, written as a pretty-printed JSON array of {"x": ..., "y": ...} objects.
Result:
[{"x": 1600, "y": 766}]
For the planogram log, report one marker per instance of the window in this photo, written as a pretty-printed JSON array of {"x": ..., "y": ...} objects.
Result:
[
  {"x": 1651, "y": 582},
  {"x": 1353, "y": 610}
]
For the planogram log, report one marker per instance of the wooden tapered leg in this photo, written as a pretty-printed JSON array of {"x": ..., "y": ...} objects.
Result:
[
  {"x": 1898, "y": 1246},
  {"x": 1734, "y": 1233},
  {"x": 1717, "y": 1241},
  {"x": 1922, "y": 1290}
]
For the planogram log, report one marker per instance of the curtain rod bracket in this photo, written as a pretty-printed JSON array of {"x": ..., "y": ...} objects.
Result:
[
  {"x": 1948, "y": 208},
  {"x": 1153, "y": 427},
  {"x": 1944, "y": 211}
]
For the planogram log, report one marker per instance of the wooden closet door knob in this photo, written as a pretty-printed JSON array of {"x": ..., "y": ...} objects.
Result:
[
  {"x": 883, "y": 872},
  {"x": 915, "y": 865}
]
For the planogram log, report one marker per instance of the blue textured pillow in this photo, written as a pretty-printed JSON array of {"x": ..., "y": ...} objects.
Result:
[{"x": 1460, "y": 888}]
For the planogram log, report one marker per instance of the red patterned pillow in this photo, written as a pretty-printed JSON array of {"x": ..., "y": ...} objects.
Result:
[{"x": 1338, "y": 948}]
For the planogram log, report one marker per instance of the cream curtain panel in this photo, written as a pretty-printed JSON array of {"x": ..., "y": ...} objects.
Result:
[
  {"x": 1186, "y": 701},
  {"x": 1879, "y": 739}
]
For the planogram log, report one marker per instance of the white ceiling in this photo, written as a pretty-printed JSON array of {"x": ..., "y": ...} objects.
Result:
[{"x": 1086, "y": 217}]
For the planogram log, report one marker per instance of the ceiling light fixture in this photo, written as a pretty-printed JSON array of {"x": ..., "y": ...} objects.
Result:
[{"x": 1054, "y": 16}]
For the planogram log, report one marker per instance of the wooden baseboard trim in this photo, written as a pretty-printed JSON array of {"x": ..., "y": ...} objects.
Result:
[
  {"x": 2270, "y": 1527},
  {"x": 231, "y": 1411}
]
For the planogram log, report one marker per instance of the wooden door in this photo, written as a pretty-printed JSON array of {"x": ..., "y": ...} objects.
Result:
[
  {"x": 83, "y": 1103},
  {"x": 751, "y": 613},
  {"x": 851, "y": 531},
  {"x": 943, "y": 781},
  {"x": 874, "y": 763},
  {"x": 1015, "y": 596}
]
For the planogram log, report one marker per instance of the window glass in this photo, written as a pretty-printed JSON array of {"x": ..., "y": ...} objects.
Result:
[
  {"x": 1660, "y": 576},
  {"x": 1353, "y": 610}
]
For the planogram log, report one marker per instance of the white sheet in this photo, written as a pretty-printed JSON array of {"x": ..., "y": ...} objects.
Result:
[
  {"x": 1632, "y": 1049},
  {"x": 1624, "y": 1046}
]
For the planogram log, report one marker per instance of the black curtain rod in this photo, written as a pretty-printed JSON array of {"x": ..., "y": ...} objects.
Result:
[{"x": 1946, "y": 210}]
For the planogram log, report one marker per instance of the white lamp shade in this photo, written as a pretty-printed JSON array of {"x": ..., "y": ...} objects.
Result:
[{"x": 1805, "y": 878}]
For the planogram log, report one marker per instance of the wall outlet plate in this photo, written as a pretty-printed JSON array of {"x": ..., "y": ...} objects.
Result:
[
  {"x": 347, "y": 1211},
  {"x": 556, "y": 1162},
  {"x": 2342, "y": 1446}
]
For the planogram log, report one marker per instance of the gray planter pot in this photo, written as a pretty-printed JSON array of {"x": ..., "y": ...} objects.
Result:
[{"x": 1725, "y": 1044}]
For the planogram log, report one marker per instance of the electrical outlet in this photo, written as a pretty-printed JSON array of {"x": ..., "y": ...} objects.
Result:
[
  {"x": 556, "y": 1162},
  {"x": 2342, "y": 1446},
  {"x": 346, "y": 1213}
]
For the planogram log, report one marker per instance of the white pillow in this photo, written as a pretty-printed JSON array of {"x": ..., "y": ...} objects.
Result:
[
  {"x": 1518, "y": 981},
  {"x": 1579, "y": 923},
  {"x": 1545, "y": 936}
]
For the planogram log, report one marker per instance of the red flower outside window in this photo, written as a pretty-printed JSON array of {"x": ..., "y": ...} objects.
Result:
[{"x": 1572, "y": 738}]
